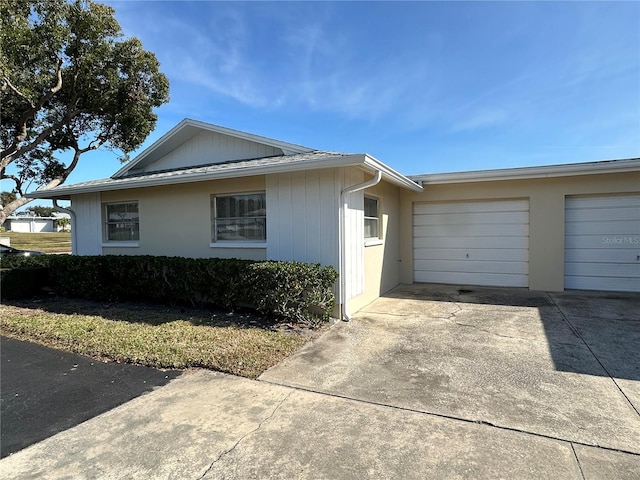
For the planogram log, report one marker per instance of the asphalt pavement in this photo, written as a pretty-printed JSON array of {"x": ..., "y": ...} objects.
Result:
[{"x": 45, "y": 391}]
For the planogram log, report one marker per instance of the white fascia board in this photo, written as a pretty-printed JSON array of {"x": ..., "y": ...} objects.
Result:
[
  {"x": 287, "y": 148},
  {"x": 391, "y": 175},
  {"x": 526, "y": 173}
]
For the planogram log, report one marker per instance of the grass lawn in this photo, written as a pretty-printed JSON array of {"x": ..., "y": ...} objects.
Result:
[
  {"x": 44, "y": 242},
  {"x": 240, "y": 344}
]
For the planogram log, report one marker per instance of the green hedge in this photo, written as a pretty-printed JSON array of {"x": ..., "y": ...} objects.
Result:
[
  {"x": 22, "y": 282},
  {"x": 292, "y": 290}
]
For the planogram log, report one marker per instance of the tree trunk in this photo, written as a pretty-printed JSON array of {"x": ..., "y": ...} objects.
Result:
[{"x": 22, "y": 201}]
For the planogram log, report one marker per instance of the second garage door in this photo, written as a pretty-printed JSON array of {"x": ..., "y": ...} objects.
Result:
[
  {"x": 472, "y": 243},
  {"x": 602, "y": 243}
]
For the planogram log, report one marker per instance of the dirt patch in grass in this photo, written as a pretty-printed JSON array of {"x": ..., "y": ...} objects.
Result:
[{"x": 165, "y": 337}]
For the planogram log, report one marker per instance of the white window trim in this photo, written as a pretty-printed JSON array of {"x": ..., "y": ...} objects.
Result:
[
  {"x": 118, "y": 243},
  {"x": 232, "y": 244},
  {"x": 236, "y": 243},
  {"x": 371, "y": 241}
]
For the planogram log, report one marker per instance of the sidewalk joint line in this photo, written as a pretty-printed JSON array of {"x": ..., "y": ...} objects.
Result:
[
  {"x": 575, "y": 455},
  {"x": 447, "y": 417}
]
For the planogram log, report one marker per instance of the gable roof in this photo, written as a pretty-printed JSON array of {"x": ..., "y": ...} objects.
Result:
[
  {"x": 187, "y": 129},
  {"x": 233, "y": 169}
]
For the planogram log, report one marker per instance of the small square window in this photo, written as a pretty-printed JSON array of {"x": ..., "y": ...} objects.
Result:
[
  {"x": 371, "y": 218},
  {"x": 122, "y": 222}
]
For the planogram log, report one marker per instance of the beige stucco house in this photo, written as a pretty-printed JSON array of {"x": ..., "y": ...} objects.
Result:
[{"x": 207, "y": 191}]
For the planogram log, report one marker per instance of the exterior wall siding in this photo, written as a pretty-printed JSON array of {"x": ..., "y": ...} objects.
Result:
[
  {"x": 382, "y": 261},
  {"x": 354, "y": 232},
  {"x": 546, "y": 215},
  {"x": 302, "y": 216},
  {"x": 88, "y": 227},
  {"x": 175, "y": 220},
  {"x": 303, "y": 221},
  {"x": 212, "y": 147}
]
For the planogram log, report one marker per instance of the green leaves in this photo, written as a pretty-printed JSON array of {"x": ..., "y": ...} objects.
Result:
[
  {"x": 70, "y": 81},
  {"x": 299, "y": 292}
]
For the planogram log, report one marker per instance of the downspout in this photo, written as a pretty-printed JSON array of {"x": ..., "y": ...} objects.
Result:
[
  {"x": 74, "y": 235},
  {"x": 342, "y": 294}
]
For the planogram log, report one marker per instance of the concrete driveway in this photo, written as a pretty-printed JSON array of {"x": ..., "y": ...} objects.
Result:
[{"x": 561, "y": 366}]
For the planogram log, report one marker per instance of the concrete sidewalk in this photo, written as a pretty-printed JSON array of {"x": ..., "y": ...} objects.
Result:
[{"x": 210, "y": 425}]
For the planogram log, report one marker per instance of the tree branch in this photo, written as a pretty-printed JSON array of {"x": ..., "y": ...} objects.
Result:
[
  {"x": 8, "y": 83},
  {"x": 21, "y": 124},
  {"x": 17, "y": 181},
  {"x": 11, "y": 156}
]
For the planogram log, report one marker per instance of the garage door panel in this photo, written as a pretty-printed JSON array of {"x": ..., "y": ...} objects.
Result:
[
  {"x": 603, "y": 269},
  {"x": 472, "y": 266},
  {"x": 475, "y": 243},
  {"x": 499, "y": 254},
  {"x": 472, "y": 207},
  {"x": 629, "y": 214},
  {"x": 601, "y": 283},
  {"x": 470, "y": 218},
  {"x": 470, "y": 242},
  {"x": 602, "y": 202},
  {"x": 601, "y": 255},
  {"x": 602, "y": 242},
  {"x": 473, "y": 230},
  {"x": 602, "y": 227},
  {"x": 599, "y": 241},
  {"x": 459, "y": 278}
]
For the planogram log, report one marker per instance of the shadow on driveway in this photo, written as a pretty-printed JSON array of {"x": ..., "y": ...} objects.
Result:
[{"x": 45, "y": 391}]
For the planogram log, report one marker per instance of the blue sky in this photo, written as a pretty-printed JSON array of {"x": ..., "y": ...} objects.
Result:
[{"x": 424, "y": 87}]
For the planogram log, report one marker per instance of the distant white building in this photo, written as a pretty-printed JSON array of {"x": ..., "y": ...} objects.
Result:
[{"x": 30, "y": 224}]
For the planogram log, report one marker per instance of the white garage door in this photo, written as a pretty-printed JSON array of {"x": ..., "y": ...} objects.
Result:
[
  {"x": 472, "y": 243},
  {"x": 602, "y": 243}
]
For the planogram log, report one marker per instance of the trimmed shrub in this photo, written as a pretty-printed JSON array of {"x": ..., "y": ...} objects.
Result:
[
  {"x": 297, "y": 291},
  {"x": 22, "y": 282}
]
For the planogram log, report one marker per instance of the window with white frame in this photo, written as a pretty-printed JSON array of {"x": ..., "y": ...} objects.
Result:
[
  {"x": 371, "y": 217},
  {"x": 239, "y": 217},
  {"x": 122, "y": 222}
]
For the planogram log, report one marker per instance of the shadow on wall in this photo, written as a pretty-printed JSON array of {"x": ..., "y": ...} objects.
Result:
[{"x": 592, "y": 333}]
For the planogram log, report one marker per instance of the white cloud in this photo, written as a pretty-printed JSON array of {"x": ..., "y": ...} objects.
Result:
[{"x": 482, "y": 119}]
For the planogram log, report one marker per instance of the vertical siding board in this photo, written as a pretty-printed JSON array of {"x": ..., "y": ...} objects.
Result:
[
  {"x": 313, "y": 217},
  {"x": 299, "y": 217},
  {"x": 328, "y": 216},
  {"x": 273, "y": 213},
  {"x": 88, "y": 223},
  {"x": 285, "y": 217},
  {"x": 354, "y": 231}
]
